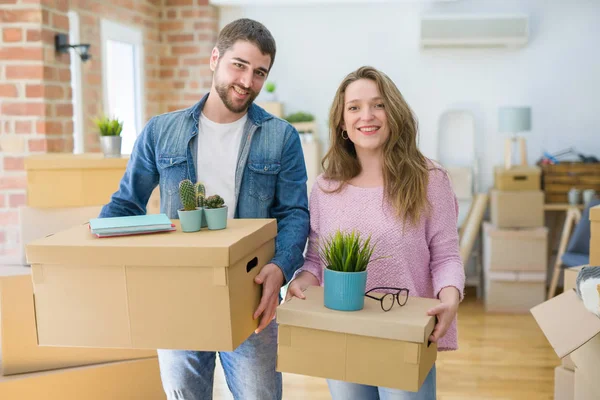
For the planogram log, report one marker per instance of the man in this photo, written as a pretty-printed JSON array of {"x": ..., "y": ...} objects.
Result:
[{"x": 255, "y": 162}]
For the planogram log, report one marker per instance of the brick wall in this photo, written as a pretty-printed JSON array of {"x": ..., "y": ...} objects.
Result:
[{"x": 35, "y": 92}]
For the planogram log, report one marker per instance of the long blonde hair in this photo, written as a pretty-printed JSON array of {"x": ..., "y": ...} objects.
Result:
[{"x": 405, "y": 168}]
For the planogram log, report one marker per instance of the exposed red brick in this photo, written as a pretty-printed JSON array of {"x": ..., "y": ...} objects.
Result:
[
  {"x": 9, "y": 217},
  {"x": 23, "y": 109},
  {"x": 20, "y": 15},
  {"x": 34, "y": 90},
  {"x": 16, "y": 200},
  {"x": 37, "y": 145},
  {"x": 11, "y": 182},
  {"x": 23, "y": 127},
  {"x": 24, "y": 72},
  {"x": 34, "y": 35},
  {"x": 64, "y": 110},
  {"x": 12, "y": 34},
  {"x": 8, "y": 90}
]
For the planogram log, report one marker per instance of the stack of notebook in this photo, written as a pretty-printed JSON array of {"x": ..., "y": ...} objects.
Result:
[{"x": 132, "y": 225}]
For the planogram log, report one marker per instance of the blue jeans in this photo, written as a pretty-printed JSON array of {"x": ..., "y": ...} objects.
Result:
[
  {"x": 351, "y": 391},
  {"x": 249, "y": 370}
]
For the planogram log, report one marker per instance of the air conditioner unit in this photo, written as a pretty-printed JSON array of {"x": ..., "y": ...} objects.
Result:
[{"x": 474, "y": 31}]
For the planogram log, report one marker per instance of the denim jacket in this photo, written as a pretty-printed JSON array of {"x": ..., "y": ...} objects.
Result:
[{"x": 270, "y": 178}]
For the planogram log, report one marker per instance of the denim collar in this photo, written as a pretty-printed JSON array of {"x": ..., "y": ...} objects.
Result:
[{"x": 255, "y": 113}]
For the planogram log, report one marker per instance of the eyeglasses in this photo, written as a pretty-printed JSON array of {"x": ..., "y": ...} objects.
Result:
[{"x": 387, "y": 300}]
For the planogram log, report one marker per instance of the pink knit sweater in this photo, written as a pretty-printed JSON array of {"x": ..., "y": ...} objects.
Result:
[{"x": 424, "y": 259}]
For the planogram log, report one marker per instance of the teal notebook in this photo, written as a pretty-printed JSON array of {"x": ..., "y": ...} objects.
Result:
[{"x": 134, "y": 223}]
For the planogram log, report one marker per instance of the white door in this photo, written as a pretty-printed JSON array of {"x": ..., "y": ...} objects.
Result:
[{"x": 122, "y": 55}]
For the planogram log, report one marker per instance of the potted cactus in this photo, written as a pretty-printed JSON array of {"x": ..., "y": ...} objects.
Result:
[
  {"x": 346, "y": 257},
  {"x": 201, "y": 196},
  {"x": 215, "y": 212},
  {"x": 110, "y": 135},
  {"x": 190, "y": 215}
]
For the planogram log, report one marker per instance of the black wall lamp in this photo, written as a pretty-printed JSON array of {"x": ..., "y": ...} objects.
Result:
[{"x": 61, "y": 44}]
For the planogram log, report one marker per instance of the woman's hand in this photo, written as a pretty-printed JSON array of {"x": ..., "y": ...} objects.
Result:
[
  {"x": 445, "y": 311},
  {"x": 299, "y": 284}
]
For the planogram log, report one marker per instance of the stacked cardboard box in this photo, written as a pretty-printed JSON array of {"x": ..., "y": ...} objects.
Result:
[
  {"x": 30, "y": 371},
  {"x": 572, "y": 330},
  {"x": 515, "y": 243},
  {"x": 66, "y": 189}
]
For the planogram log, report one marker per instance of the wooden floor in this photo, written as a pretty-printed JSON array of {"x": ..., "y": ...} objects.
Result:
[{"x": 500, "y": 357}]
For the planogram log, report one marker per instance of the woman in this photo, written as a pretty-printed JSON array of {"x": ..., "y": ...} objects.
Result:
[{"x": 377, "y": 181}]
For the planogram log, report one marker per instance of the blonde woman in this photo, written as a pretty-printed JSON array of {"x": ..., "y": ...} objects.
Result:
[{"x": 377, "y": 181}]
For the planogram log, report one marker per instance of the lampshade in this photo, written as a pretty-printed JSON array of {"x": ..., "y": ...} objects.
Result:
[{"x": 514, "y": 119}]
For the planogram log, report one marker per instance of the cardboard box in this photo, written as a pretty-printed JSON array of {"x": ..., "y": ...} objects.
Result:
[
  {"x": 517, "y": 209},
  {"x": 176, "y": 290},
  {"x": 36, "y": 223},
  {"x": 571, "y": 277},
  {"x": 586, "y": 387},
  {"x": 564, "y": 384},
  {"x": 370, "y": 346},
  {"x": 572, "y": 330},
  {"x": 125, "y": 380},
  {"x": 595, "y": 236},
  {"x": 20, "y": 351},
  {"x": 518, "y": 177},
  {"x": 72, "y": 180},
  {"x": 519, "y": 250},
  {"x": 272, "y": 107},
  {"x": 513, "y": 292}
]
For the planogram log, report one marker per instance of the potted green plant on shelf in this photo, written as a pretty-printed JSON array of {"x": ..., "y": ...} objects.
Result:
[
  {"x": 269, "y": 94},
  {"x": 346, "y": 257},
  {"x": 110, "y": 135},
  {"x": 190, "y": 215},
  {"x": 215, "y": 212},
  {"x": 303, "y": 122}
]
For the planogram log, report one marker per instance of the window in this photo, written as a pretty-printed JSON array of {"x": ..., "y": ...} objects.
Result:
[
  {"x": 78, "y": 137},
  {"x": 122, "y": 55}
]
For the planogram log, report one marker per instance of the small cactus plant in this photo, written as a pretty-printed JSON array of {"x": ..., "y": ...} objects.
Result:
[
  {"x": 188, "y": 195},
  {"x": 200, "y": 194},
  {"x": 214, "y": 201}
]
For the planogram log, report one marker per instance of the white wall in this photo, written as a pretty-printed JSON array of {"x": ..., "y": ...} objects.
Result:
[{"x": 557, "y": 74}]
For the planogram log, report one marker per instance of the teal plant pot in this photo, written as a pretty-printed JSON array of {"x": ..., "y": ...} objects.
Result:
[
  {"x": 344, "y": 291},
  {"x": 191, "y": 221},
  {"x": 216, "y": 218}
]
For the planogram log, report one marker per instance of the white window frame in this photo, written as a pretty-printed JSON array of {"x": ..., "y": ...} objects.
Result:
[
  {"x": 110, "y": 30},
  {"x": 75, "y": 66}
]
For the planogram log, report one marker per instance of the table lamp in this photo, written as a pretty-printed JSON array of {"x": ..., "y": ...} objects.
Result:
[{"x": 514, "y": 120}]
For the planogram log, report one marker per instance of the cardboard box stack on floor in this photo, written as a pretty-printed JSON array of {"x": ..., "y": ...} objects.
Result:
[
  {"x": 66, "y": 189},
  {"x": 175, "y": 290},
  {"x": 30, "y": 371},
  {"x": 515, "y": 242},
  {"x": 574, "y": 331}
]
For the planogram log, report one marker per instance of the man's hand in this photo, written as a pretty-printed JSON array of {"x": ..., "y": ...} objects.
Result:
[
  {"x": 445, "y": 311},
  {"x": 300, "y": 284},
  {"x": 271, "y": 279}
]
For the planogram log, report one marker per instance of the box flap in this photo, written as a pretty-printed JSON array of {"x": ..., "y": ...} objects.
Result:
[
  {"x": 516, "y": 170},
  {"x": 220, "y": 248},
  {"x": 595, "y": 213},
  {"x": 515, "y": 233},
  {"x": 408, "y": 323},
  {"x": 52, "y": 161},
  {"x": 566, "y": 323}
]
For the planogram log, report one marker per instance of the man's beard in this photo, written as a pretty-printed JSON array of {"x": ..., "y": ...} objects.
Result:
[{"x": 223, "y": 91}]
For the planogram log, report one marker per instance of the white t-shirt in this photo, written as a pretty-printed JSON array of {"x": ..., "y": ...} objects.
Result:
[{"x": 218, "y": 147}]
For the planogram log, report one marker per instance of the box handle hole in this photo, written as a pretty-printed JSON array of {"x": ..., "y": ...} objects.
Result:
[
  {"x": 252, "y": 264},
  {"x": 520, "y": 178}
]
